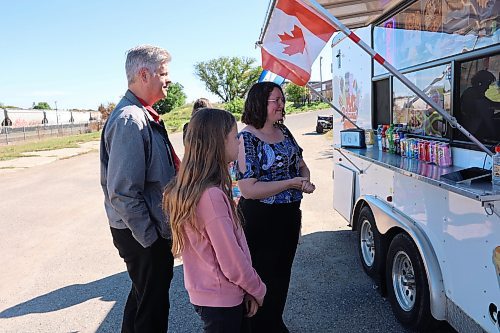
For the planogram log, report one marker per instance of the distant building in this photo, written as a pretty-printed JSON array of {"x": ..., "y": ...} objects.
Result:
[
  {"x": 31, "y": 117},
  {"x": 326, "y": 90}
]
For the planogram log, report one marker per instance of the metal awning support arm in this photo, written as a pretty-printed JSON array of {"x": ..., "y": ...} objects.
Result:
[
  {"x": 331, "y": 104},
  {"x": 377, "y": 57}
]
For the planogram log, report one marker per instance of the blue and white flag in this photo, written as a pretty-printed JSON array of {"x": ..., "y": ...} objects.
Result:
[{"x": 268, "y": 76}]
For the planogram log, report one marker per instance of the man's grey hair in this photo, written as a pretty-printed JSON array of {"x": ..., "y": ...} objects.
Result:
[{"x": 144, "y": 56}]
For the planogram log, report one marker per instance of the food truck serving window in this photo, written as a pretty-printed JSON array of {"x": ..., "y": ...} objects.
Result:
[
  {"x": 479, "y": 100},
  {"x": 409, "y": 109},
  {"x": 434, "y": 29}
]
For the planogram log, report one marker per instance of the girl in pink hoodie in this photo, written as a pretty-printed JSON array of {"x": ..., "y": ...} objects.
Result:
[{"x": 218, "y": 274}]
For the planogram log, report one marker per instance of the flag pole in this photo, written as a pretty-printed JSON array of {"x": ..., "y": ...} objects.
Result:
[
  {"x": 333, "y": 106},
  {"x": 377, "y": 57}
]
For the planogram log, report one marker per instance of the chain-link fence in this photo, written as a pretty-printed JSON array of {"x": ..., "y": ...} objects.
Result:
[{"x": 9, "y": 134}]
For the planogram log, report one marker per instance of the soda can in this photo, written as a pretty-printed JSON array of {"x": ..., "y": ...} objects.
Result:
[
  {"x": 426, "y": 157},
  {"x": 431, "y": 152},
  {"x": 436, "y": 153},
  {"x": 369, "y": 138},
  {"x": 421, "y": 150},
  {"x": 408, "y": 147},
  {"x": 414, "y": 149},
  {"x": 402, "y": 147},
  {"x": 446, "y": 151}
]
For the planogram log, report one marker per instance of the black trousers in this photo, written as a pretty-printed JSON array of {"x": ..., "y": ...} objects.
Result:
[
  {"x": 272, "y": 233},
  {"x": 223, "y": 320},
  {"x": 151, "y": 271}
]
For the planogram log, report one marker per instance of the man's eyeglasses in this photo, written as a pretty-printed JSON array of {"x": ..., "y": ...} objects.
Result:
[{"x": 276, "y": 100}]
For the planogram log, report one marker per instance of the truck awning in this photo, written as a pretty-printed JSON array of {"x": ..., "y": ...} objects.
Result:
[{"x": 352, "y": 13}]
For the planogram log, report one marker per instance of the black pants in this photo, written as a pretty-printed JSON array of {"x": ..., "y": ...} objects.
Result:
[
  {"x": 151, "y": 271},
  {"x": 223, "y": 320},
  {"x": 272, "y": 233}
]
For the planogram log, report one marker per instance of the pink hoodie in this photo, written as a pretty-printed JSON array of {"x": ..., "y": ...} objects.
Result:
[{"x": 217, "y": 264}]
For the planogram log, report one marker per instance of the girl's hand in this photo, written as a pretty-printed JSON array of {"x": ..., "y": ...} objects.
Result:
[
  {"x": 308, "y": 187},
  {"x": 251, "y": 305}
]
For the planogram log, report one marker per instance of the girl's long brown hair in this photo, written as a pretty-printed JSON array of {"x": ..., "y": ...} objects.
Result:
[{"x": 203, "y": 166}]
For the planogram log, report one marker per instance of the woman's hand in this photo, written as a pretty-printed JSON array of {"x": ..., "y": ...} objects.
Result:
[
  {"x": 296, "y": 183},
  {"x": 308, "y": 187},
  {"x": 251, "y": 305}
]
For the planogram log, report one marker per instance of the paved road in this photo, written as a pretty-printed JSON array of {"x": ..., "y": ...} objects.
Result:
[{"x": 59, "y": 271}]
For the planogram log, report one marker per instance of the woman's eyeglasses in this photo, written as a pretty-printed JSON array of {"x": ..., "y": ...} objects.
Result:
[{"x": 276, "y": 100}]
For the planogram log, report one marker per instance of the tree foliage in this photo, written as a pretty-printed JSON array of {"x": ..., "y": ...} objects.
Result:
[
  {"x": 228, "y": 77},
  {"x": 105, "y": 111},
  {"x": 175, "y": 98},
  {"x": 296, "y": 94},
  {"x": 42, "y": 106},
  {"x": 235, "y": 106}
]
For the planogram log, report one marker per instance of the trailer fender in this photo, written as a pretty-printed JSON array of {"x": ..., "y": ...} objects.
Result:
[{"x": 387, "y": 218}]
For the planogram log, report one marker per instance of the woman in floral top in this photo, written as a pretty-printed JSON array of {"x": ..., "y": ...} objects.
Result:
[{"x": 272, "y": 176}]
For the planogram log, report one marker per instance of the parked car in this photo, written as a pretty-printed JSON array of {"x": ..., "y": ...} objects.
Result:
[{"x": 324, "y": 123}]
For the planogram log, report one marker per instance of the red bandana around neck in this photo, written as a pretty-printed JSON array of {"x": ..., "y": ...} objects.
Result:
[{"x": 156, "y": 117}]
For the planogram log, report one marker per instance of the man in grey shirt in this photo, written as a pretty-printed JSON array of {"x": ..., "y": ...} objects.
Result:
[{"x": 137, "y": 162}]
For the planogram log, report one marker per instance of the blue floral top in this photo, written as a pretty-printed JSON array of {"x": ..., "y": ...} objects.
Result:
[{"x": 271, "y": 162}]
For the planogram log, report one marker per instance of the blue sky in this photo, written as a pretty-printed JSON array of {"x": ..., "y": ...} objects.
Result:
[{"x": 73, "y": 52}]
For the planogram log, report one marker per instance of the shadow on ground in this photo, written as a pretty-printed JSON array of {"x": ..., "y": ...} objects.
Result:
[{"x": 329, "y": 292}]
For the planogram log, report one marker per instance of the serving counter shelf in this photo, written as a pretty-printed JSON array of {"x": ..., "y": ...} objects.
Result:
[{"x": 481, "y": 190}]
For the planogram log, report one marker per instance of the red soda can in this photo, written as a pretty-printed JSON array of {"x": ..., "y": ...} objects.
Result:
[
  {"x": 421, "y": 150},
  {"x": 426, "y": 151}
]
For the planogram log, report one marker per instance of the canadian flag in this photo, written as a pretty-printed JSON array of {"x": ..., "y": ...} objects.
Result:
[{"x": 294, "y": 38}]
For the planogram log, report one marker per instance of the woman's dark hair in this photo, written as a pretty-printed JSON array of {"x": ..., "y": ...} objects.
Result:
[{"x": 255, "y": 112}]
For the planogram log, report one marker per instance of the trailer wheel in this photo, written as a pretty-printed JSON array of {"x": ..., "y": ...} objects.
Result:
[
  {"x": 371, "y": 245},
  {"x": 319, "y": 129},
  {"x": 407, "y": 286}
]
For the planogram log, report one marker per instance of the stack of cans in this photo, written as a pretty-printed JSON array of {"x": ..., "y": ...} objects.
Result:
[{"x": 438, "y": 153}]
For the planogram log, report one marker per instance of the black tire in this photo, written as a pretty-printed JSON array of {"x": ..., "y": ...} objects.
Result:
[
  {"x": 319, "y": 129},
  {"x": 371, "y": 245},
  {"x": 407, "y": 286}
]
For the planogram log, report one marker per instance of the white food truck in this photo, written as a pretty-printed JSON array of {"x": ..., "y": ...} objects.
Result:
[{"x": 428, "y": 232}]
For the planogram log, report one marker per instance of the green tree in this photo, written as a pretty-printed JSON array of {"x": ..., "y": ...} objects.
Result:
[
  {"x": 296, "y": 94},
  {"x": 228, "y": 77},
  {"x": 235, "y": 106},
  {"x": 175, "y": 98},
  {"x": 42, "y": 106}
]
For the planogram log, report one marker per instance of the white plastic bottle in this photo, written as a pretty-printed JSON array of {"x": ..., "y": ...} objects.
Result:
[{"x": 496, "y": 168}]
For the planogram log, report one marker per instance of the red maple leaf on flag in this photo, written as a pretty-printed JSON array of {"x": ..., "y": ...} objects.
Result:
[{"x": 295, "y": 42}]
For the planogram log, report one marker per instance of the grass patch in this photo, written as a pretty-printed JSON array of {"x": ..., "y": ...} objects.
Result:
[
  {"x": 290, "y": 108},
  {"x": 175, "y": 120},
  {"x": 14, "y": 151}
]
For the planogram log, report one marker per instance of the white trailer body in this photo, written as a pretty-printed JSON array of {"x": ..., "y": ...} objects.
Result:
[{"x": 397, "y": 204}]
